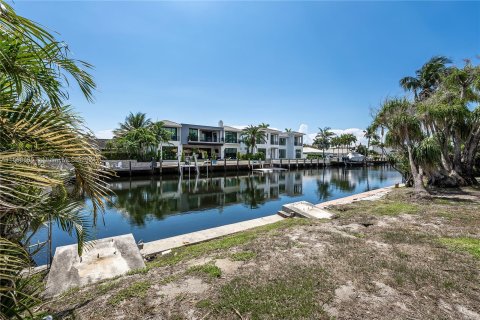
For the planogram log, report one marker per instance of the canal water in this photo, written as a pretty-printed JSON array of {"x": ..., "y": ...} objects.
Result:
[{"x": 153, "y": 208}]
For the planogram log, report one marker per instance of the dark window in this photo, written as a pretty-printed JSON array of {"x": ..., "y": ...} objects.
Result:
[
  {"x": 274, "y": 139},
  {"x": 283, "y": 141},
  {"x": 230, "y": 137},
  {"x": 192, "y": 134},
  {"x": 230, "y": 153},
  {"x": 173, "y": 133},
  {"x": 298, "y": 153},
  {"x": 282, "y": 153},
  {"x": 298, "y": 141}
]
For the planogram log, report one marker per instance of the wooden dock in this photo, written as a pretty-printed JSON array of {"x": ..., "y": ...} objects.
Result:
[{"x": 133, "y": 167}]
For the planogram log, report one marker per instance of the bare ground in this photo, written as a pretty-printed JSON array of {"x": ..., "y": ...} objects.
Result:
[{"x": 395, "y": 258}]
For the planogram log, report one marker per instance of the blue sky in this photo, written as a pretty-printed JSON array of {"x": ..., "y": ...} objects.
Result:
[{"x": 289, "y": 64}]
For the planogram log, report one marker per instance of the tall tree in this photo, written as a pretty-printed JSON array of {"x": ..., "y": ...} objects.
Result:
[
  {"x": 427, "y": 78},
  {"x": 404, "y": 133},
  {"x": 370, "y": 134},
  {"x": 132, "y": 121},
  {"x": 323, "y": 139},
  {"x": 251, "y": 134},
  {"x": 446, "y": 104}
]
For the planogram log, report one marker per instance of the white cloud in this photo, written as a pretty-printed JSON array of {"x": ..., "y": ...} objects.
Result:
[
  {"x": 310, "y": 136},
  {"x": 104, "y": 134}
]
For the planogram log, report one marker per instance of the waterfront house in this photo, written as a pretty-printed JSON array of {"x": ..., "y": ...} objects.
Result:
[{"x": 224, "y": 142}]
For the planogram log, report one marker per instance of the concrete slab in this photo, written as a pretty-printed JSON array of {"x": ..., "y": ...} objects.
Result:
[
  {"x": 105, "y": 258},
  {"x": 207, "y": 234},
  {"x": 307, "y": 210},
  {"x": 368, "y": 195}
]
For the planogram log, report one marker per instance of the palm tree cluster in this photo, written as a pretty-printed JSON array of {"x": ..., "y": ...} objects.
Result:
[
  {"x": 437, "y": 133},
  {"x": 325, "y": 139},
  {"x": 47, "y": 159},
  {"x": 139, "y": 137}
]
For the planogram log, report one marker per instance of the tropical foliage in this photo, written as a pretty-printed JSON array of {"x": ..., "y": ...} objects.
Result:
[
  {"x": 436, "y": 133},
  {"x": 323, "y": 139},
  {"x": 370, "y": 134},
  {"x": 43, "y": 145},
  {"x": 139, "y": 138},
  {"x": 252, "y": 135}
]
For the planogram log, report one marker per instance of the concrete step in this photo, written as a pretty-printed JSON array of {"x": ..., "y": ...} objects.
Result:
[
  {"x": 285, "y": 214},
  {"x": 306, "y": 210}
]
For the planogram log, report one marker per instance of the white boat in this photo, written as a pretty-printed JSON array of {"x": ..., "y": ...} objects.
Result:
[{"x": 355, "y": 157}]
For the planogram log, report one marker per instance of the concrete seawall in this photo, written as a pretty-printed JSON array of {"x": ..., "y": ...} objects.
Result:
[
  {"x": 208, "y": 234},
  {"x": 162, "y": 245}
]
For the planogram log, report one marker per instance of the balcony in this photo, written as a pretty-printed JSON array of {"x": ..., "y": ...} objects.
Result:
[
  {"x": 192, "y": 139},
  {"x": 274, "y": 142}
]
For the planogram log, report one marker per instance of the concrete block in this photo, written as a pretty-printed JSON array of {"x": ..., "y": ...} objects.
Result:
[
  {"x": 307, "y": 210},
  {"x": 103, "y": 259}
]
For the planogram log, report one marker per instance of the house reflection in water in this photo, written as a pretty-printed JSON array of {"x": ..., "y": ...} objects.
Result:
[{"x": 161, "y": 197}]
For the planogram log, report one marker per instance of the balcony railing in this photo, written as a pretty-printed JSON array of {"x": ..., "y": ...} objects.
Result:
[{"x": 205, "y": 140}]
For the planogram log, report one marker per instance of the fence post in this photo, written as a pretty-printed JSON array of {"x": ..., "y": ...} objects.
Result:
[
  {"x": 237, "y": 163},
  {"x": 130, "y": 167},
  {"x": 288, "y": 164},
  {"x": 225, "y": 165}
]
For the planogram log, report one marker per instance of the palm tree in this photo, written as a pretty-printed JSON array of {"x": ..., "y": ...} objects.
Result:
[
  {"x": 162, "y": 136},
  {"x": 251, "y": 134},
  {"x": 404, "y": 133},
  {"x": 344, "y": 140},
  {"x": 427, "y": 78},
  {"x": 370, "y": 133},
  {"x": 351, "y": 138},
  {"x": 36, "y": 130},
  {"x": 132, "y": 121},
  {"x": 335, "y": 142},
  {"x": 323, "y": 139}
]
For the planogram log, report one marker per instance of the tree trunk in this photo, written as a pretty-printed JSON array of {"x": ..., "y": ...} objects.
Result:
[{"x": 416, "y": 175}]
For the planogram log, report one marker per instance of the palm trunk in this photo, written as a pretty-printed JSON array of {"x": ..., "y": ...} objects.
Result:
[
  {"x": 417, "y": 176},
  {"x": 416, "y": 173}
]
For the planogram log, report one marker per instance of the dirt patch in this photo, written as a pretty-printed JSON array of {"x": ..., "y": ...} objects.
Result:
[{"x": 187, "y": 286}]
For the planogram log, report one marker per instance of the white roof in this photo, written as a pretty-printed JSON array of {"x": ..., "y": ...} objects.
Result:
[
  {"x": 311, "y": 150},
  {"x": 168, "y": 123},
  {"x": 269, "y": 129},
  {"x": 229, "y": 128}
]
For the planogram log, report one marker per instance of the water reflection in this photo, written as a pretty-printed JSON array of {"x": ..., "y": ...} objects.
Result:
[
  {"x": 157, "y": 208},
  {"x": 160, "y": 197},
  {"x": 140, "y": 200}
]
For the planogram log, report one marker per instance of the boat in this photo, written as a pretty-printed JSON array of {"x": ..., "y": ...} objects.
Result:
[{"x": 355, "y": 157}]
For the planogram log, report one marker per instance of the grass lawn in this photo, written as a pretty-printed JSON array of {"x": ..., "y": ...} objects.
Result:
[{"x": 398, "y": 257}]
